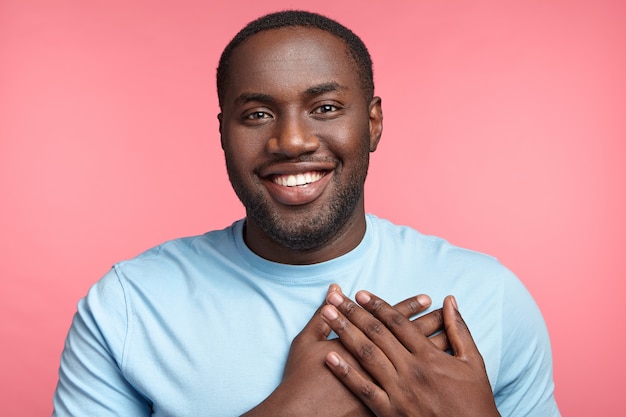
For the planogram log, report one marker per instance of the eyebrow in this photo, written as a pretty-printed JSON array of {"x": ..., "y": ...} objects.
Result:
[
  {"x": 316, "y": 90},
  {"x": 248, "y": 97},
  {"x": 310, "y": 92}
]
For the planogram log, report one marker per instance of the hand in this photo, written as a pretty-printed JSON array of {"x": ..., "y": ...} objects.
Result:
[
  {"x": 413, "y": 376},
  {"x": 309, "y": 388}
]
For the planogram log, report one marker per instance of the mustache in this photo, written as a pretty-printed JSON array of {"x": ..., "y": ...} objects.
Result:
[{"x": 299, "y": 159}]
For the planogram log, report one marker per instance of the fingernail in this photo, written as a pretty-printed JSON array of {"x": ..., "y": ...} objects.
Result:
[
  {"x": 456, "y": 306},
  {"x": 333, "y": 359},
  {"x": 330, "y": 313},
  {"x": 423, "y": 299},
  {"x": 335, "y": 299},
  {"x": 363, "y": 297}
]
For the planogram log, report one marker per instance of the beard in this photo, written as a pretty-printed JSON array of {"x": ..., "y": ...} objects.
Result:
[{"x": 307, "y": 231}]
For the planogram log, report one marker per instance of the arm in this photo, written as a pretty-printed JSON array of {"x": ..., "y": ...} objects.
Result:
[
  {"x": 414, "y": 378},
  {"x": 309, "y": 388},
  {"x": 524, "y": 385},
  {"x": 91, "y": 381}
]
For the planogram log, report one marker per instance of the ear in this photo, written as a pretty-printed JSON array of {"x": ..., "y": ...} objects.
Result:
[
  {"x": 219, "y": 119},
  {"x": 376, "y": 122}
]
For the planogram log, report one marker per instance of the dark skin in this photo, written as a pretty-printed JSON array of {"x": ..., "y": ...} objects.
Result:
[
  {"x": 294, "y": 106},
  {"x": 308, "y": 387},
  {"x": 297, "y": 130},
  {"x": 413, "y": 377}
]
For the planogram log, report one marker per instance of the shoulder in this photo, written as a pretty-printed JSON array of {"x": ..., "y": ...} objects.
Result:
[
  {"x": 433, "y": 253},
  {"x": 504, "y": 319},
  {"x": 186, "y": 246},
  {"x": 180, "y": 255}
]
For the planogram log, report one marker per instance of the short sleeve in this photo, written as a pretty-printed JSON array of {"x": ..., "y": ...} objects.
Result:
[
  {"x": 525, "y": 385},
  {"x": 91, "y": 380}
]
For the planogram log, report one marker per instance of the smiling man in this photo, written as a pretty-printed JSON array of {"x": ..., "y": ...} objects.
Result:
[
  {"x": 238, "y": 321},
  {"x": 297, "y": 128}
]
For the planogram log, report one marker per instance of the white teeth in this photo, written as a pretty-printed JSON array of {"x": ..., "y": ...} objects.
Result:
[{"x": 298, "y": 179}]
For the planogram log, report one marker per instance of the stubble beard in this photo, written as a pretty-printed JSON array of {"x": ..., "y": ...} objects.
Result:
[{"x": 308, "y": 232}]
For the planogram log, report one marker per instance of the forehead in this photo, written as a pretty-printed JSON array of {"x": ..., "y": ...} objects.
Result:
[{"x": 291, "y": 59}]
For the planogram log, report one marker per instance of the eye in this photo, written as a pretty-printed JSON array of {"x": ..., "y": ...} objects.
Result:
[
  {"x": 326, "y": 108},
  {"x": 257, "y": 115}
]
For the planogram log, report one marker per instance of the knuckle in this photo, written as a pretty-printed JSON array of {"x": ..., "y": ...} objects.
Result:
[
  {"x": 395, "y": 320},
  {"x": 349, "y": 309},
  {"x": 345, "y": 372},
  {"x": 367, "y": 352},
  {"x": 417, "y": 372},
  {"x": 342, "y": 325},
  {"x": 414, "y": 307},
  {"x": 375, "y": 328},
  {"x": 431, "y": 357},
  {"x": 376, "y": 305},
  {"x": 367, "y": 391}
]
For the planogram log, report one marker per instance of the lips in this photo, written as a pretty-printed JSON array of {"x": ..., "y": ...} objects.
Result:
[{"x": 296, "y": 184}]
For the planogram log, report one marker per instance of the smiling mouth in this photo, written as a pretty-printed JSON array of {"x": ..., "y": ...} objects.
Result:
[{"x": 298, "y": 180}]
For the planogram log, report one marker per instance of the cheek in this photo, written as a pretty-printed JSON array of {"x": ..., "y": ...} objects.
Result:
[
  {"x": 242, "y": 151},
  {"x": 352, "y": 142},
  {"x": 237, "y": 159}
]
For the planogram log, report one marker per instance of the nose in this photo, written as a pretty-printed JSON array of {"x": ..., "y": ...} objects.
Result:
[{"x": 292, "y": 137}]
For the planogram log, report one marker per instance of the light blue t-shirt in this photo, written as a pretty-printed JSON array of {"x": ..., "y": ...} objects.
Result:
[{"x": 201, "y": 326}]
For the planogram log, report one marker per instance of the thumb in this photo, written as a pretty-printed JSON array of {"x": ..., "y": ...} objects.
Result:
[{"x": 460, "y": 338}]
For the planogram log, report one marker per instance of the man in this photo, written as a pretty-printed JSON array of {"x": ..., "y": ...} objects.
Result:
[{"x": 237, "y": 321}]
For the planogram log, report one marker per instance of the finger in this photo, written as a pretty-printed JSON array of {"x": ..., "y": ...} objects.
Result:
[
  {"x": 430, "y": 323},
  {"x": 371, "y": 327},
  {"x": 402, "y": 328},
  {"x": 440, "y": 341},
  {"x": 362, "y": 387},
  {"x": 334, "y": 288},
  {"x": 461, "y": 340},
  {"x": 363, "y": 348},
  {"x": 414, "y": 305}
]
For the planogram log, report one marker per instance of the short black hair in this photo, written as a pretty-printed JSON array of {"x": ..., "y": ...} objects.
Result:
[{"x": 293, "y": 18}]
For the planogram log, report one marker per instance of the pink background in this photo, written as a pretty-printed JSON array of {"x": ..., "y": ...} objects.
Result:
[{"x": 505, "y": 129}]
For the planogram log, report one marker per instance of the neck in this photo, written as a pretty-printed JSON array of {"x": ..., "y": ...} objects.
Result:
[{"x": 343, "y": 241}]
